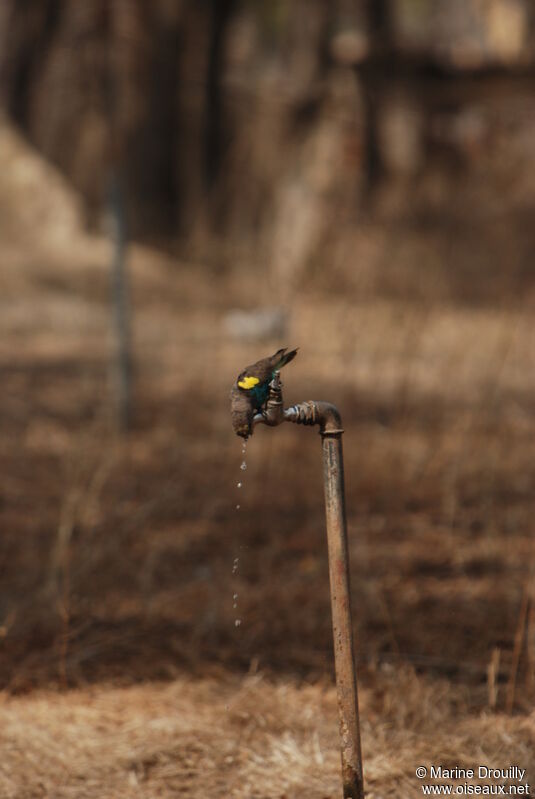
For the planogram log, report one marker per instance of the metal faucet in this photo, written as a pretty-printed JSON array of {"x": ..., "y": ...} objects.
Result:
[{"x": 327, "y": 417}]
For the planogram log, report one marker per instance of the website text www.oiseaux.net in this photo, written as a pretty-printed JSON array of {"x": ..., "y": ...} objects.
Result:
[{"x": 502, "y": 782}]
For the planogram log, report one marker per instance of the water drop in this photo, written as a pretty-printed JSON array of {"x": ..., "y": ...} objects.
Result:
[
  {"x": 243, "y": 466},
  {"x": 238, "y": 507},
  {"x": 235, "y": 565},
  {"x": 235, "y": 605},
  {"x": 235, "y": 596},
  {"x": 239, "y": 485},
  {"x": 237, "y": 623}
]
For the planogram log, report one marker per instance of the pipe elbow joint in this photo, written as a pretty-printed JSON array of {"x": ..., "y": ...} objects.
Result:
[{"x": 329, "y": 419}]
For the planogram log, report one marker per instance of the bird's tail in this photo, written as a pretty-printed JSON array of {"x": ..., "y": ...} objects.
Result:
[{"x": 281, "y": 358}]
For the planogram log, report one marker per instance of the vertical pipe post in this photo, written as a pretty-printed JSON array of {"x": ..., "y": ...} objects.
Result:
[
  {"x": 344, "y": 658},
  {"x": 328, "y": 418}
]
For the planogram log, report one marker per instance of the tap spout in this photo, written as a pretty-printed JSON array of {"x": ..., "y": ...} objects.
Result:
[{"x": 273, "y": 411}]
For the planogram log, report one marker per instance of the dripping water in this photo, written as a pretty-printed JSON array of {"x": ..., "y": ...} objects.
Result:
[{"x": 236, "y": 563}]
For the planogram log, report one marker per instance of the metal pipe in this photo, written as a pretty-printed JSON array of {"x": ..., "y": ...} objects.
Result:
[
  {"x": 346, "y": 681},
  {"x": 328, "y": 418}
]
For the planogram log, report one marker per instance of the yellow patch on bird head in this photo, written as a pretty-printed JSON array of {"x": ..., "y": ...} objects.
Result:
[{"x": 248, "y": 382}]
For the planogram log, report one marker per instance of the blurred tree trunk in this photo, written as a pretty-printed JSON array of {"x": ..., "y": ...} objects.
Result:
[
  {"x": 379, "y": 24},
  {"x": 27, "y": 31},
  {"x": 214, "y": 130},
  {"x": 53, "y": 84}
]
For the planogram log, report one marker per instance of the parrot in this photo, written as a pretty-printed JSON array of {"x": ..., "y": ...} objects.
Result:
[{"x": 251, "y": 390}]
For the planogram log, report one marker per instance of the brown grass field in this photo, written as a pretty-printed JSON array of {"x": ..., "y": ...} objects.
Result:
[{"x": 122, "y": 671}]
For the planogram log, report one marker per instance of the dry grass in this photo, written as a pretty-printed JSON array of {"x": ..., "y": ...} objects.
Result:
[
  {"x": 117, "y": 553},
  {"x": 245, "y": 739}
]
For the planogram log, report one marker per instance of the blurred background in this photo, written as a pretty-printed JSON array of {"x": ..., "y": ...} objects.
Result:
[{"x": 184, "y": 188}]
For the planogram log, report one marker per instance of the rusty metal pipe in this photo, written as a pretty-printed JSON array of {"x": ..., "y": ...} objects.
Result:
[
  {"x": 346, "y": 681},
  {"x": 328, "y": 418}
]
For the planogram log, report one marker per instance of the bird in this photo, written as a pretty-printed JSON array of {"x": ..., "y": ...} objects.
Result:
[{"x": 251, "y": 389}]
